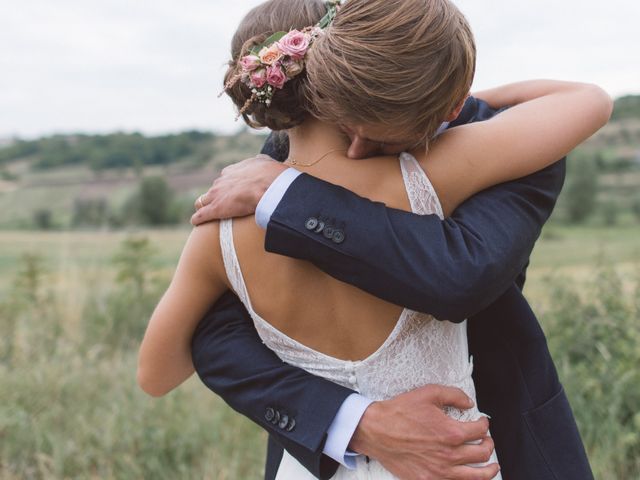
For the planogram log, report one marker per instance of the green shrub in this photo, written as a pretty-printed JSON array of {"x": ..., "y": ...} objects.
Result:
[
  {"x": 28, "y": 323},
  {"x": 43, "y": 219},
  {"x": 153, "y": 204},
  {"x": 579, "y": 196},
  {"x": 610, "y": 212},
  {"x": 117, "y": 318},
  {"x": 635, "y": 208},
  {"x": 594, "y": 337},
  {"x": 89, "y": 212},
  {"x": 8, "y": 176}
]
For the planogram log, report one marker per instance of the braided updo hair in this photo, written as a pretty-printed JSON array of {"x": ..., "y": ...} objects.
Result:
[{"x": 289, "y": 106}]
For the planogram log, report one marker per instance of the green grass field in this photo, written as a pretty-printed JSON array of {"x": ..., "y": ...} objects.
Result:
[
  {"x": 70, "y": 407},
  {"x": 575, "y": 252},
  {"x": 570, "y": 251}
]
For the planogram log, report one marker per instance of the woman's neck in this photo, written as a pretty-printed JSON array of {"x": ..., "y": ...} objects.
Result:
[{"x": 312, "y": 139}]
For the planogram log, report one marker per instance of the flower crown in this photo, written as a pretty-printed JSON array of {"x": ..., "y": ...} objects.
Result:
[{"x": 270, "y": 65}]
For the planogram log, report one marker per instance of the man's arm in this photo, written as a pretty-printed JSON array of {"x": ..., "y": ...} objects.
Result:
[
  {"x": 451, "y": 268},
  {"x": 231, "y": 360}
]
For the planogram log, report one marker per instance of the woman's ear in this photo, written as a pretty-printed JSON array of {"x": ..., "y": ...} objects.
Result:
[{"x": 456, "y": 112}]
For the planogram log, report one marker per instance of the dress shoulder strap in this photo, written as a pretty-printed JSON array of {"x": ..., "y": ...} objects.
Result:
[
  {"x": 231, "y": 262},
  {"x": 422, "y": 196}
]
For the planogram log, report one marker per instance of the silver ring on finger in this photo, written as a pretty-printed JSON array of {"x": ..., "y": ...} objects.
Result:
[{"x": 199, "y": 202}]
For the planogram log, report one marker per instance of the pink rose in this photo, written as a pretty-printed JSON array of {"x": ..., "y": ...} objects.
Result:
[
  {"x": 293, "y": 67},
  {"x": 249, "y": 63},
  {"x": 294, "y": 44},
  {"x": 270, "y": 55},
  {"x": 276, "y": 77},
  {"x": 258, "y": 78}
]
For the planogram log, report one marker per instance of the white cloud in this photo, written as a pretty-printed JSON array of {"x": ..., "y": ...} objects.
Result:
[{"x": 157, "y": 66}]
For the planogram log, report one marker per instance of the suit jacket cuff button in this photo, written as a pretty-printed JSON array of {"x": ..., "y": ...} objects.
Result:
[
  {"x": 338, "y": 236},
  {"x": 311, "y": 223}
]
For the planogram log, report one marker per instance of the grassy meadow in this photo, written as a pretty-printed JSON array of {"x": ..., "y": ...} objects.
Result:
[{"x": 73, "y": 307}]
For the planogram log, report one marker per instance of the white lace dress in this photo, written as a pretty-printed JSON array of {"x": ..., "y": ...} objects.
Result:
[{"x": 420, "y": 350}]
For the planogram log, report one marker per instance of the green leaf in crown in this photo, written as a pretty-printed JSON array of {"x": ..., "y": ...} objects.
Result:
[
  {"x": 332, "y": 10},
  {"x": 268, "y": 42}
]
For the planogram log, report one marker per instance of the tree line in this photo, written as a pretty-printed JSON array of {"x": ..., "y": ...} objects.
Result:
[
  {"x": 101, "y": 152},
  {"x": 626, "y": 107}
]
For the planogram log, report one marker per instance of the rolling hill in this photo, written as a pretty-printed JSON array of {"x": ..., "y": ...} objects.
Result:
[{"x": 55, "y": 173}]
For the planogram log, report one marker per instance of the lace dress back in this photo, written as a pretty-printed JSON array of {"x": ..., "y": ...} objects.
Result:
[{"x": 420, "y": 350}]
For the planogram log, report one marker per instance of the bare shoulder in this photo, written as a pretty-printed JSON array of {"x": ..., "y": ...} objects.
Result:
[
  {"x": 449, "y": 163},
  {"x": 248, "y": 236},
  {"x": 203, "y": 250},
  {"x": 207, "y": 234},
  {"x": 451, "y": 146},
  {"x": 246, "y": 226}
]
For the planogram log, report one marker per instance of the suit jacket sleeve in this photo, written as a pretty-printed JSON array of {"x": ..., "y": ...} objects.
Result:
[
  {"x": 231, "y": 360},
  {"x": 450, "y": 269}
]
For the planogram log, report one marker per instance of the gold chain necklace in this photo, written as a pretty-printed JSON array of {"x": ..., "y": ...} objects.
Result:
[{"x": 295, "y": 163}]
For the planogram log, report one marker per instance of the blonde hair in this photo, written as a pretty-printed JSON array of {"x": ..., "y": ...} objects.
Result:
[{"x": 402, "y": 63}]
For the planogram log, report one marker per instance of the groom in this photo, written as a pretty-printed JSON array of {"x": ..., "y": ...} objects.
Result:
[{"x": 470, "y": 265}]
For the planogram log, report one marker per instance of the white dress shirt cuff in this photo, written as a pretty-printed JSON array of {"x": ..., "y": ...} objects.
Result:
[
  {"x": 342, "y": 429},
  {"x": 271, "y": 198},
  {"x": 442, "y": 128}
]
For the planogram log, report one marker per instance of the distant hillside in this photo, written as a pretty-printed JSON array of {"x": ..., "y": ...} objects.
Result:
[
  {"x": 57, "y": 177},
  {"x": 627, "y": 107},
  {"x": 116, "y": 150},
  {"x": 61, "y": 176},
  {"x": 134, "y": 150}
]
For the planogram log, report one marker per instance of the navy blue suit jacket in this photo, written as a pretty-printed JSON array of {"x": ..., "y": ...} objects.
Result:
[{"x": 468, "y": 266}]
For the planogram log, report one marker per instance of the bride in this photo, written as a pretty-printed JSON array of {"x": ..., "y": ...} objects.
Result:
[{"x": 283, "y": 81}]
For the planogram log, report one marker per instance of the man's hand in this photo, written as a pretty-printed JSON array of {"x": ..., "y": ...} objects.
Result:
[
  {"x": 238, "y": 189},
  {"x": 415, "y": 440}
]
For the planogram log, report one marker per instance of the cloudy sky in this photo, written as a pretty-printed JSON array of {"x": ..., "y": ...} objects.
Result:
[{"x": 102, "y": 65}]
